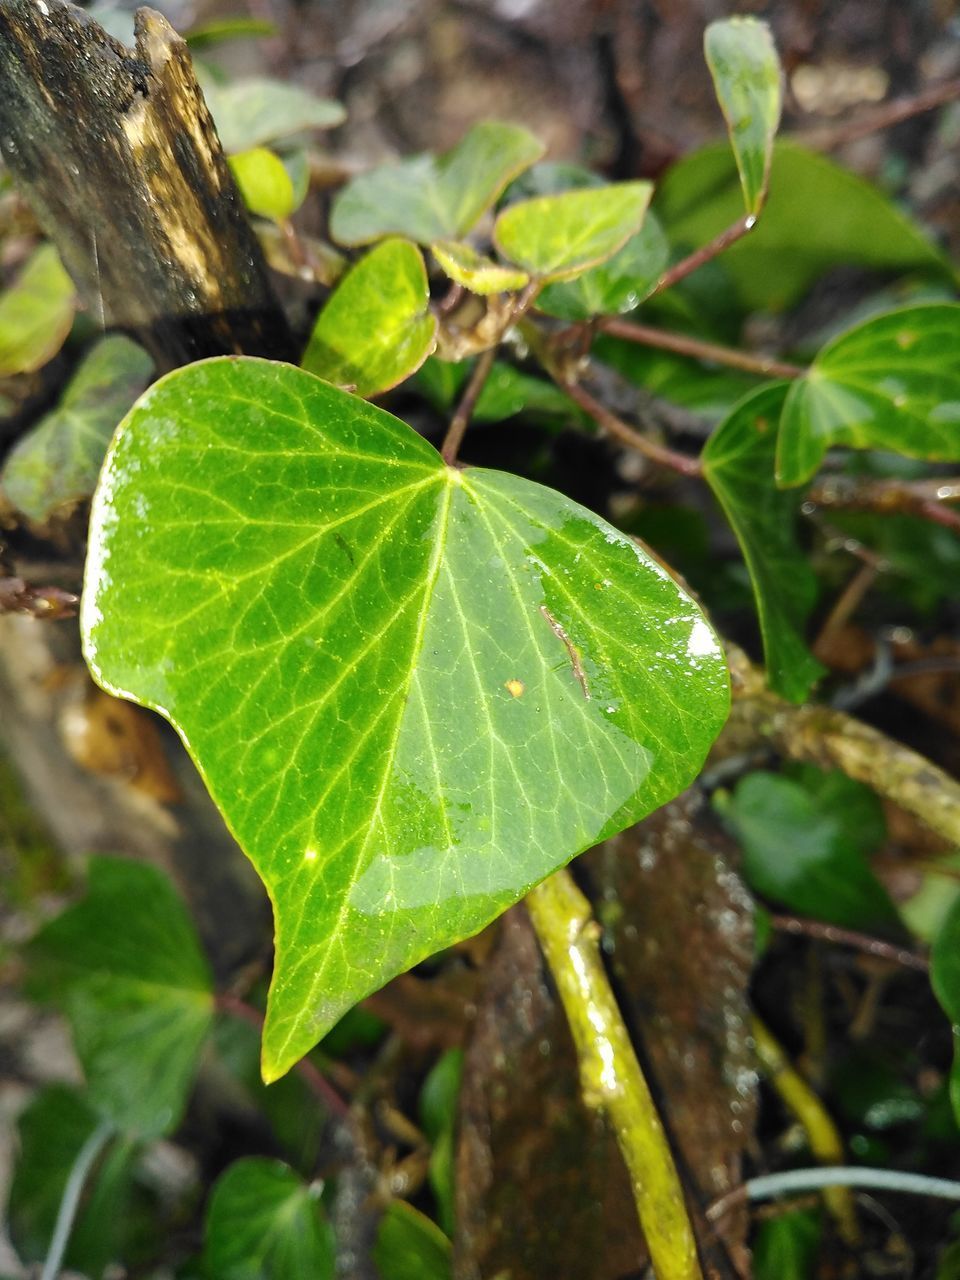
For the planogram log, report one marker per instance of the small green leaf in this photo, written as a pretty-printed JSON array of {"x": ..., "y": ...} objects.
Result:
[
  {"x": 892, "y": 382},
  {"x": 559, "y": 237},
  {"x": 411, "y": 1247},
  {"x": 749, "y": 84},
  {"x": 617, "y": 285},
  {"x": 377, "y": 328},
  {"x": 36, "y": 313},
  {"x": 51, "y": 1132},
  {"x": 480, "y": 275},
  {"x": 945, "y": 980},
  {"x": 126, "y": 967},
  {"x": 446, "y": 683},
  {"x": 431, "y": 198},
  {"x": 817, "y": 216},
  {"x": 507, "y": 392},
  {"x": 786, "y": 1246},
  {"x": 58, "y": 460},
  {"x": 219, "y": 29},
  {"x": 265, "y": 1223},
  {"x": 738, "y": 466},
  {"x": 251, "y": 113},
  {"x": 264, "y": 183},
  {"x": 438, "y": 1116},
  {"x": 798, "y": 852}
]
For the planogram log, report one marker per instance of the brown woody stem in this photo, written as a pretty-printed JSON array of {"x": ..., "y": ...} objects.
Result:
[
  {"x": 686, "y": 266},
  {"x": 870, "y": 946},
  {"x": 683, "y": 345},
  {"x": 625, "y": 434}
]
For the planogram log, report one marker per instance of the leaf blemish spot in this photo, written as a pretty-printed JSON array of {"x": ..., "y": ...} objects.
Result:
[
  {"x": 571, "y": 648},
  {"x": 514, "y": 688},
  {"x": 906, "y": 339},
  {"x": 309, "y": 854}
]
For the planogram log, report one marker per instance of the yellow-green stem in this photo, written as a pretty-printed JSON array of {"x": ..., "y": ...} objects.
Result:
[{"x": 610, "y": 1073}]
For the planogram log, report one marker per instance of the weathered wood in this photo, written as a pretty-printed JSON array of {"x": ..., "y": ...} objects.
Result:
[{"x": 118, "y": 155}]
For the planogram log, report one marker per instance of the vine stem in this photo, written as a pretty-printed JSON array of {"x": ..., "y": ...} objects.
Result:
[
  {"x": 870, "y": 946},
  {"x": 610, "y": 1074},
  {"x": 794, "y": 1181},
  {"x": 315, "y": 1081},
  {"x": 461, "y": 418},
  {"x": 70, "y": 1200},
  {"x": 887, "y": 114},
  {"x": 633, "y": 439},
  {"x": 683, "y": 345},
  {"x": 686, "y": 266}
]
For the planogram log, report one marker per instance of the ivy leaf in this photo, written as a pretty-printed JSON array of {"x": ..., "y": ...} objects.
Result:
[
  {"x": 820, "y": 871},
  {"x": 257, "y": 111},
  {"x": 749, "y": 84},
  {"x": 411, "y": 1247},
  {"x": 265, "y": 1223},
  {"x": 786, "y": 1246},
  {"x": 377, "y": 328},
  {"x": 127, "y": 969},
  {"x": 892, "y": 382},
  {"x": 444, "y": 683},
  {"x": 945, "y": 980},
  {"x": 36, "y": 313},
  {"x": 817, "y": 216},
  {"x": 559, "y": 237},
  {"x": 475, "y": 272},
  {"x": 430, "y": 198},
  {"x": 265, "y": 184},
  {"x": 438, "y": 1116},
  {"x": 618, "y": 285},
  {"x": 58, "y": 460},
  {"x": 738, "y": 465}
]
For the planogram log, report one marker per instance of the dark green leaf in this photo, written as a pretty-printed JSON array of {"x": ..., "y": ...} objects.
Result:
[
  {"x": 411, "y": 1247},
  {"x": 892, "y": 382},
  {"x": 817, "y": 216},
  {"x": 265, "y": 1223},
  {"x": 738, "y": 465},
  {"x": 220, "y": 29},
  {"x": 264, "y": 183},
  {"x": 786, "y": 1246},
  {"x": 377, "y": 328},
  {"x": 508, "y": 391},
  {"x": 36, "y": 313},
  {"x": 746, "y": 75},
  {"x": 707, "y": 390},
  {"x": 446, "y": 683},
  {"x": 480, "y": 275},
  {"x": 797, "y": 853},
  {"x": 559, "y": 237},
  {"x": 126, "y": 967},
  {"x": 618, "y": 285},
  {"x": 58, "y": 461},
  {"x": 430, "y": 198},
  {"x": 945, "y": 979},
  {"x": 254, "y": 112},
  {"x": 853, "y": 805},
  {"x": 438, "y": 1115}
]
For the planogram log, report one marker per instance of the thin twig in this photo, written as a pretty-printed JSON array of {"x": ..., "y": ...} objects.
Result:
[
  {"x": 686, "y": 266},
  {"x": 885, "y": 116},
  {"x": 468, "y": 402},
  {"x": 682, "y": 344},
  {"x": 923, "y": 498},
  {"x": 49, "y": 603},
  {"x": 625, "y": 434},
  {"x": 610, "y": 1073},
  {"x": 847, "y": 603},
  {"x": 794, "y": 1181},
  {"x": 70, "y": 1200},
  {"x": 320, "y": 1087},
  {"x": 851, "y": 938}
]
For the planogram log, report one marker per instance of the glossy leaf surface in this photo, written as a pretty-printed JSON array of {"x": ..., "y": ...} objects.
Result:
[
  {"x": 257, "y": 111},
  {"x": 945, "y": 979},
  {"x": 746, "y": 76},
  {"x": 558, "y": 237},
  {"x": 892, "y": 382},
  {"x": 410, "y": 1246},
  {"x": 377, "y": 327},
  {"x": 265, "y": 1223},
  {"x": 264, "y": 183},
  {"x": 738, "y": 463},
  {"x": 431, "y": 198},
  {"x": 58, "y": 460},
  {"x": 126, "y": 966},
  {"x": 36, "y": 313},
  {"x": 414, "y": 691},
  {"x": 817, "y": 216},
  {"x": 475, "y": 272},
  {"x": 618, "y": 285}
]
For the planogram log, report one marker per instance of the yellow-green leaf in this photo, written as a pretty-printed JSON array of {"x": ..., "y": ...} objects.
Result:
[
  {"x": 474, "y": 271},
  {"x": 36, "y": 313},
  {"x": 264, "y": 183}
]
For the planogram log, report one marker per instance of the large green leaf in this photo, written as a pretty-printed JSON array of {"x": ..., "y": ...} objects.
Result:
[
  {"x": 377, "y": 328},
  {"x": 126, "y": 967},
  {"x": 746, "y": 75},
  {"x": 615, "y": 286},
  {"x": 414, "y": 691},
  {"x": 945, "y": 979},
  {"x": 738, "y": 465},
  {"x": 799, "y": 851},
  {"x": 559, "y": 237},
  {"x": 892, "y": 382},
  {"x": 257, "y": 111},
  {"x": 429, "y": 198},
  {"x": 36, "y": 313},
  {"x": 265, "y": 1223},
  {"x": 817, "y": 216},
  {"x": 410, "y": 1246},
  {"x": 57, "y": 462}
]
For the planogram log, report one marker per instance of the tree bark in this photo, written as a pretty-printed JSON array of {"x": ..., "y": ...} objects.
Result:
[{"x": 119, "y": 157}]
